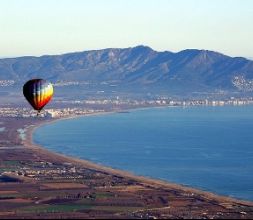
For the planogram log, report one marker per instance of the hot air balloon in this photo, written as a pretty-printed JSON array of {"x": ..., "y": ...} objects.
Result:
[{"x": 38, "y": 93}]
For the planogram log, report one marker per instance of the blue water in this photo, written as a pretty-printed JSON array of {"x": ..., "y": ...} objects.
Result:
[{"x": 210, "y": 148}]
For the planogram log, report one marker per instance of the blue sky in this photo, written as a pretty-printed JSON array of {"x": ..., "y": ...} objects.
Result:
[{"x": 37, "y": 27}]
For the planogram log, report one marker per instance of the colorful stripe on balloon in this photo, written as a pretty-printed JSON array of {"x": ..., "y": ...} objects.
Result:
[{"x": 38, "y": 93}]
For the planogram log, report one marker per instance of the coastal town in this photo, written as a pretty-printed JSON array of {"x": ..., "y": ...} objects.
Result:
[
  {"x": 49, "y": 113},
  {"x": 85, "y": 107}
]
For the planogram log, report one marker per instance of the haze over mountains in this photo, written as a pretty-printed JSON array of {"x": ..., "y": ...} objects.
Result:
[{"x": 136, "y": 69}]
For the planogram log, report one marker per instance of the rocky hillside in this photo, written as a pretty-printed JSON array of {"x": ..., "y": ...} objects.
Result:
[{"x": 192, "y": 70}]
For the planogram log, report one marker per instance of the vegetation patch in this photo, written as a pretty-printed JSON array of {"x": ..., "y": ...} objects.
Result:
[{"x": 55, "y": 208}]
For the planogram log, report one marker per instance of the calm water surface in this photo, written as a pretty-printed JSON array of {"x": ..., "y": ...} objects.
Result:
[{"x": 210, "y": 148}]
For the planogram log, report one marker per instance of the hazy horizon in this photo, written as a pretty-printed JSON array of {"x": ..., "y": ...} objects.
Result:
[{"x": 35, "y": 28}]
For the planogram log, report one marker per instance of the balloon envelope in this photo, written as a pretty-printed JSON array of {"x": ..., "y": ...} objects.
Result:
[{"x": 38, "y": 93}]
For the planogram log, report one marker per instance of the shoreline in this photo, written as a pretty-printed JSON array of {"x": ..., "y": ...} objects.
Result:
[{"x": 147, "y": 181}]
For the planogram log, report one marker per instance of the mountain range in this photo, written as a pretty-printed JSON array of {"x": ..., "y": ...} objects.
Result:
[{"x": 187, "y": 71}]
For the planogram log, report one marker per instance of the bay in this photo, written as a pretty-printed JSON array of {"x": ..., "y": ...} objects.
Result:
[{"x": 209, "y": 148}]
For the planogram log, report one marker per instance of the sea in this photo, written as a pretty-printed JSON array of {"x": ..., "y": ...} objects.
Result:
[{"x": 208, "y": 148}]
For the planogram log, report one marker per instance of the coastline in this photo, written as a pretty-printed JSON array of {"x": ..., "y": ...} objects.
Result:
[{"x": 28, "y": 143}]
